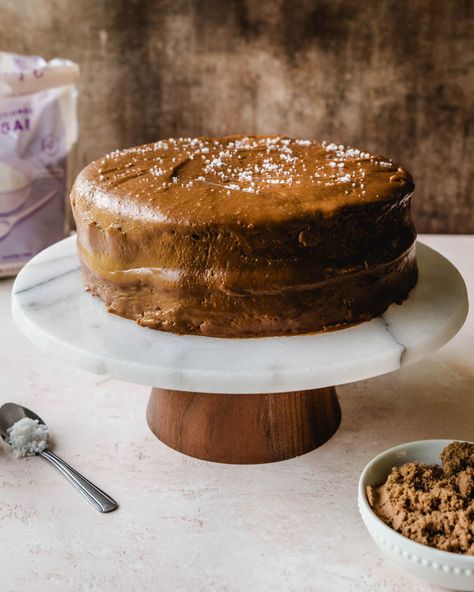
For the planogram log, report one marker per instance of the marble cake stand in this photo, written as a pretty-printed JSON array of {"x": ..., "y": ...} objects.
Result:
[{"x": 234, "y": 400}]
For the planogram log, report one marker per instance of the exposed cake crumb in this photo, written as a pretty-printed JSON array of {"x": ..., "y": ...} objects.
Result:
[
  {"x": 27, "y": 437},
  {"x": 431, "y": 504}
]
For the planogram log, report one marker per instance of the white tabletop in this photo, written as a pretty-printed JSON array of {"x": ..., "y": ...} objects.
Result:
[{"x": 189, "y": 525}]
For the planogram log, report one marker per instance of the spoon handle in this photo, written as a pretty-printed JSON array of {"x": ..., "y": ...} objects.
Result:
[{"x": 95, "y": 496}]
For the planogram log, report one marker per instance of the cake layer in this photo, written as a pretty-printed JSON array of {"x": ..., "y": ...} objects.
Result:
[
  {"x": 204, "y": 308},
  {"x": 245, "y": 236}
]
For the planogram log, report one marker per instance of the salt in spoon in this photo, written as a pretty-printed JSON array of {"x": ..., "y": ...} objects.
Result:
[{"x": 10, "y": 413}]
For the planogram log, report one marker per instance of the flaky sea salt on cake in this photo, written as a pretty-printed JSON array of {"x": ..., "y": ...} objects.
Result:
[{"x": 245, "y": 236}]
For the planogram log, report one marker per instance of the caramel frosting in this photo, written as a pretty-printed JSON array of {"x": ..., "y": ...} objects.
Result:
[{"x": 244, "y": 236}]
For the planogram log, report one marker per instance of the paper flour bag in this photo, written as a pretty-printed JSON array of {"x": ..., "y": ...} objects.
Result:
[{"x": 38, "y": 132}]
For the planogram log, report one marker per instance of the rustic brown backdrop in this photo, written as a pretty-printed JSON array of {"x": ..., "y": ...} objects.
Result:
[{"x": 390, "y": 76}]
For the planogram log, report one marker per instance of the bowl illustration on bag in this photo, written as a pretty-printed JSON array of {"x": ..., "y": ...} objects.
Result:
[{"x": 16, "y": 178}]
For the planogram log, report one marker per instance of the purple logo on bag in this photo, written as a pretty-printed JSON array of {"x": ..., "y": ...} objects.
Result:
[{"x": 49, "y": 144}]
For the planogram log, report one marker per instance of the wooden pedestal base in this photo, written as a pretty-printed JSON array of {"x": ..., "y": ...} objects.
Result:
[{"x": 244, "y": 429}]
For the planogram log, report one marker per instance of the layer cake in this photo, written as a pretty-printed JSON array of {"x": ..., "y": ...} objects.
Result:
[{"x": 245, "y": 236}]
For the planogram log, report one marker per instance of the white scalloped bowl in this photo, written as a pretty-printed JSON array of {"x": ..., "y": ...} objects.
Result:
[{"x": 450, "y": 570}]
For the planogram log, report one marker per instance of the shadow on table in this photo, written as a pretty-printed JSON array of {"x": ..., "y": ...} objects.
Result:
[{"x": 431, "y": 399}]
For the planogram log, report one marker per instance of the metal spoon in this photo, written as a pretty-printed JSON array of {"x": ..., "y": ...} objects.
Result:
[{"x": 10, "y": 413}]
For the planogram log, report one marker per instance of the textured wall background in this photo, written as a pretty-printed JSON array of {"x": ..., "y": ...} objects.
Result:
[{"x": 391, "y": 76}]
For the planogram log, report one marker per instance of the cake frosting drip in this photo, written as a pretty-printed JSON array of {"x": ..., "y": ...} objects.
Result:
[{"x": 243, "y": 236}]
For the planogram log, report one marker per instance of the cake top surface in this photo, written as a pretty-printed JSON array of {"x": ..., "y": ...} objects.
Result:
[{"x": 251, "y": 179}]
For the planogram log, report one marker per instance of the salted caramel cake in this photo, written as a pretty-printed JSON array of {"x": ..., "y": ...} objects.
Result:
[{"x": 245, "y": 236}]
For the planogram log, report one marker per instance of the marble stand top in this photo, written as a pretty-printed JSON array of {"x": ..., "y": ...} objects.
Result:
[{"x": 52, "y": 309}]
